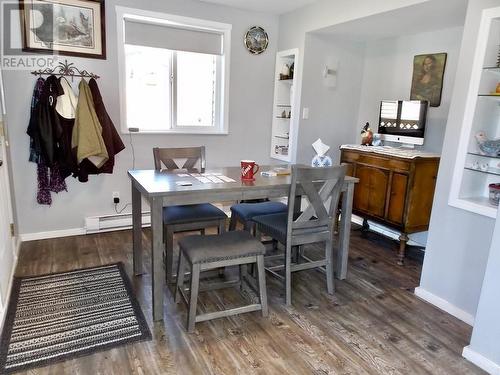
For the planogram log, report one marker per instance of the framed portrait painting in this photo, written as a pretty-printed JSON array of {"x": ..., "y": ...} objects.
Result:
[
  {"x": 427, "y": 82},
  {"x": 64, "y": 27}
]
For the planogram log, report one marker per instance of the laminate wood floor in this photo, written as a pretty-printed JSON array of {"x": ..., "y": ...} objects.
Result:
[{"x": 373, "y": 325}]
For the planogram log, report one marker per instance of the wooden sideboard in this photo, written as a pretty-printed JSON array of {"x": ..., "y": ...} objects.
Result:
[{"x": 394, "y": 191}]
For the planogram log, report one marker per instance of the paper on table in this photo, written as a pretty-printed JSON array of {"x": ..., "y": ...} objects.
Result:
[
  {"x": 215, "y": 179},
  {"x": 226, "y": 179},
  {"x": 184, "y": 183},
  {"x": 195, "y": 174},
  {"x": 183, "y": 175},
  {"x": 204, "y": 180}
]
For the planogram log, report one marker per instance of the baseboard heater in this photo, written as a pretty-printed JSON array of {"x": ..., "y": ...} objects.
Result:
[
  {"x": 109, "y": 223},
  {"x": 384, "y": 230}
]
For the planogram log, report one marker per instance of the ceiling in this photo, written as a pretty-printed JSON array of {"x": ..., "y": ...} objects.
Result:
[
  {"x": 266, "y": 6},
  {"x": 423, "y": 17}
]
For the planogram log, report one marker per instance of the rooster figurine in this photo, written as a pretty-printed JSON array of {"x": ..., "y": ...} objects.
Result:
[
  {"x": 366, "y": 135},
  {"x": 486, "y": 146}
]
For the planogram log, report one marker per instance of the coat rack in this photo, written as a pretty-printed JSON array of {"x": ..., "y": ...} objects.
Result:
[{"x": 65, "y": 69}]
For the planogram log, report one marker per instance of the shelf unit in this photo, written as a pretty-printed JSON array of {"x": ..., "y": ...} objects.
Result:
[
  {"x": 469, "y": 190},
  {"x": 490, "y": 170},
  {"x": 284, "y": 128}
]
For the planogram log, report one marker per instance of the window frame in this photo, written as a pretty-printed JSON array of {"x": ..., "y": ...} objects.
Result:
[
  {"x": 173, "y": 84},
  {"x": 223, "y": 67}
]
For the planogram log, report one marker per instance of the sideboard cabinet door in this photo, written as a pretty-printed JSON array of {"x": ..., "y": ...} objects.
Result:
[
  {"x": 370, "y": 192},
  {"x": 398, "y": 198}
]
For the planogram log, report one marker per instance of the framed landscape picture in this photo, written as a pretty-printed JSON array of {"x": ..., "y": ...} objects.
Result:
[
  {"x": 64, "y": 27},
  {"x": 427, "y": 82}
]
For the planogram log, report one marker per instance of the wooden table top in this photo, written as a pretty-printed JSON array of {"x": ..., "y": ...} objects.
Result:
[{"x": 156, "y": 183}]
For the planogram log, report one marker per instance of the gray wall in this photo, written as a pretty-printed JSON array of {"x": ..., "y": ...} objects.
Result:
[
  {"x": 367, "y": 73},
  {"x": 388, "y": 74},
  {"x": 250, "y": 100},
  {"x": 332, "y": 110},
  {"x": 459, "y": 241},
  {"x": 486, "y": 331}
]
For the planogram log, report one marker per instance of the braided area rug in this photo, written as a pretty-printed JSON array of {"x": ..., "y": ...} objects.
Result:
[{"x": 61, "y": 316}]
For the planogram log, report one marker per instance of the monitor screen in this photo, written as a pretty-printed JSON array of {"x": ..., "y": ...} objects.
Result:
[{"x": 400, "y": 119}]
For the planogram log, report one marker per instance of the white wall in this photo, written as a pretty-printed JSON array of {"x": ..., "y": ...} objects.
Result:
[
  {"x": 459, "y": 241},
  {"x": 484, "y": 349},
  {"x": 388, "y": 74},
  {"x": 251, "y": 97},
  {"x": 332, "y": 110}
]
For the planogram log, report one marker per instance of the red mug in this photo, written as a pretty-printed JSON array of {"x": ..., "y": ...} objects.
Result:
[{"x": 248, "y": 169}]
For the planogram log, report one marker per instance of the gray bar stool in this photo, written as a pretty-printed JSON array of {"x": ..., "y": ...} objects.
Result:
[{"x": 204, "y": 253}]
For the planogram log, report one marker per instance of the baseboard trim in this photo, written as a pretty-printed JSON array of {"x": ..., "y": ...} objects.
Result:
[
  {"x": 51, "y": 234},
  {"x": 480, "y": 361},
  {"x": 444, "y": 305}
]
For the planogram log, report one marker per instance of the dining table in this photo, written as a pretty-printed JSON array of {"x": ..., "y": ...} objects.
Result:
[{"x": 166, "y": 188}]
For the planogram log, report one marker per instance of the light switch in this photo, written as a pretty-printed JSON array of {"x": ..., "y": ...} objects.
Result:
[{"x": 305, "y": 113}]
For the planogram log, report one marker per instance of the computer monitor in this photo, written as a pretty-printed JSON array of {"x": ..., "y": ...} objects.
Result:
[{"x": 403, "y": 121}]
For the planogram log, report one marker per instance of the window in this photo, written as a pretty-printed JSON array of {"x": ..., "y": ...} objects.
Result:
[{"x": 174, "y": 74}]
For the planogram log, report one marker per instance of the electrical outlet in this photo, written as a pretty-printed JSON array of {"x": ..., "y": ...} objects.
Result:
[{"x": 116, "y": 197}]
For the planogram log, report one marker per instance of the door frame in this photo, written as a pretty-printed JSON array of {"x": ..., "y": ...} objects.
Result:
[{"x": 6, "y": 194}]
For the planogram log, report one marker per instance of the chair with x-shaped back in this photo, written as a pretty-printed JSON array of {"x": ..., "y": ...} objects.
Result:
[
  {"x": 185, "y": 217},
  {"x": 322, "y": 187}
]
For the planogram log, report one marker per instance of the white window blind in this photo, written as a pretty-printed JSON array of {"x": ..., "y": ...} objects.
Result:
[
  {"x": 141, "y": 33},
  {"x": 174, "y": 73}
]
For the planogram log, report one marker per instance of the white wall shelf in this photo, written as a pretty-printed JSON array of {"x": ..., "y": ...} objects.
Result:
[
  {"x": 484, "y": 156},
  {"x": 469, "y": 190},
  {"x": 493, "y": 171},
  {"x": 284, "y": 129}
]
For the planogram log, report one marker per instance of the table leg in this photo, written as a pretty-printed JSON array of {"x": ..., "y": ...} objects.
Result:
[
  {"x": 157, "y": 270},
  {"x": 345, "y": 232},
  {"x": 137, "y": 230}
]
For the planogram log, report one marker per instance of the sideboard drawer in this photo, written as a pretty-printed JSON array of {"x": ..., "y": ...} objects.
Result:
[{"x": 382, "y": 162}]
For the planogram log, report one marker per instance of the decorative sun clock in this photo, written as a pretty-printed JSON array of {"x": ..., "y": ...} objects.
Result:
[{"x": 256, "y": 40}]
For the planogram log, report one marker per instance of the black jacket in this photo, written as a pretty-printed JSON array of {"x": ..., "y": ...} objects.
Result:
[
  {"x": 46, "y": 130},
  {"x": 110, "y": 137}
]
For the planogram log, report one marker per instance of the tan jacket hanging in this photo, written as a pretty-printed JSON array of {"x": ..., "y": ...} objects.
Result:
[{"x": 87, "y": 133}]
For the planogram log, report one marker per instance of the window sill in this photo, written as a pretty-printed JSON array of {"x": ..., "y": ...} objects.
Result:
[{"x": 180, "y": 132}]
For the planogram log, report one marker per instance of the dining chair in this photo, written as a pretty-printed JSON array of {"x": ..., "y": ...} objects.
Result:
[
  {"x": 322, "y": 187},
  {"x": 235, "y": 248},
  {"x": 245, "y": 212},
  {"x": 185, "y": 218}
]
